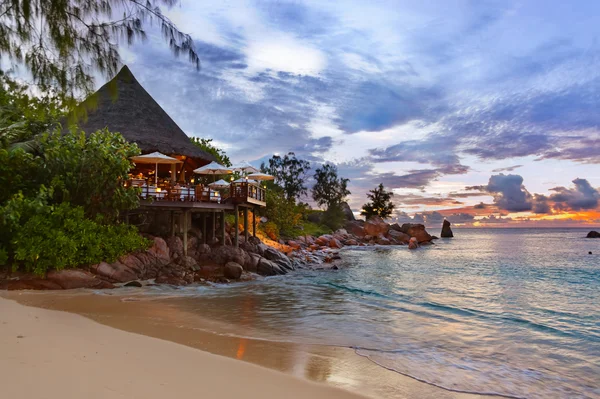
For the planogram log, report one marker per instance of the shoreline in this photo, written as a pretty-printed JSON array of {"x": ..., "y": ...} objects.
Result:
[
  {"x": 74, "y": 357},
  {"x": 334, "y": 367}
]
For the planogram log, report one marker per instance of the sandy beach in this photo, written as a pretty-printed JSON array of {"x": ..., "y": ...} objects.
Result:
[
  {"x": 103, "y": 362},
  {"x": 52, "y": 354}
]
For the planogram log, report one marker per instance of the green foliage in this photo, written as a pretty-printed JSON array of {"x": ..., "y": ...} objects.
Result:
[
  {"x": 283, "y": 212},
  {"x": 329, "y": 189},
  {"x": 290, "y": 174},
  {"x": 314, "y": 229},
  {"x": 218, "y": 153},
  {"x": 89, "y": 171},
  {"x": 63, "y": 43},
  {"x": 24, "y": 116},
  {"x": 58, "y": 237},
  {"x": 334, "y": 216},
  {"x": 59, "y": 205},
  {"x": 380, "y": 205},
  {"x": 19, "y": 172},
  {"x": 271, "y": 230}
]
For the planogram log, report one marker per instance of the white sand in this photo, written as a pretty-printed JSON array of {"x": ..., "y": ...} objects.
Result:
[{"x": 58, "y": 355}]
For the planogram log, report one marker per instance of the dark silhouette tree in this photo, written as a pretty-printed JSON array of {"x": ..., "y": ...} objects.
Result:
[
  {"x": 290, "y": 174},
  {"x": 330, "y": 191},
  {"x": 380, "y": 203}
]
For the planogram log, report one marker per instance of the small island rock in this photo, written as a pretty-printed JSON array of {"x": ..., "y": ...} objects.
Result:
[
  {"x": 593, "y": 234},
  {"x": 446, "y": 230}
]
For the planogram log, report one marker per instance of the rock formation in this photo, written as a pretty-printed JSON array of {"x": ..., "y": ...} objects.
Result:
[
  {"x": 593, "y": 234},
  {"x": 446, "y": 230}
]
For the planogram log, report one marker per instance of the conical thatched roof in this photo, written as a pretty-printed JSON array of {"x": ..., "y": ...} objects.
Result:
[{"x": 124, "y": 106}]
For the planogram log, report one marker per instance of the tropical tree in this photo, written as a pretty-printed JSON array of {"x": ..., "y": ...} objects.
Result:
[
  {"x": 24, "y": 116},
  {"x": 329, "y": 189},
  {"x": 63, "y": 42},
  {"x": 290, "y": 174},
  {"x": 380, "y": 203},
  {"x": 218, "y": 153}
]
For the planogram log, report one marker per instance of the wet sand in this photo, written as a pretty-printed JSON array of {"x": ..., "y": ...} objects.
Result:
[{"x": 160, "y": 318}]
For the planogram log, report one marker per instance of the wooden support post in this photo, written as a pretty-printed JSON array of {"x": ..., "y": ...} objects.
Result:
[
  {"x": 254, "y": 222},
  {"x": 186, "y": 214},
  {"x": 204, "y": 232},
  {"x": 126, "y": 217},
  {"x": 223, "y": 228},
  {"x": 237, "y": 228},
  {"x": 246, "y": 232},
  {"x": 173, "y": 173}
]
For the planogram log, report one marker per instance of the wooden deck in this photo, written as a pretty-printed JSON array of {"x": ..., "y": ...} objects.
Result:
[
  {"x": 240, "y": 194},
  {"x": 187, "y": 205}
]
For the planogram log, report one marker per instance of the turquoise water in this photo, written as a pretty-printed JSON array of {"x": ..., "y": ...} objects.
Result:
[{"x": 504, "y": 311}]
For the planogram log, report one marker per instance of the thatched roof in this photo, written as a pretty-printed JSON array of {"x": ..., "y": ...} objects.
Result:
[{"x": 124, "y": 106}]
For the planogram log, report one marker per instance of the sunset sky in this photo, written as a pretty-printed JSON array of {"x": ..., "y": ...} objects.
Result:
[{"x": 484, "y": 112}]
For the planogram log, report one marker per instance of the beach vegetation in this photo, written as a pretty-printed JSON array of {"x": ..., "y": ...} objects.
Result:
[
  {"x": 330, "y": 191},
  {"x": 380, "y": 203},
  {"x": 291, "y": 175},
  {"x": 63, "y": 193}
]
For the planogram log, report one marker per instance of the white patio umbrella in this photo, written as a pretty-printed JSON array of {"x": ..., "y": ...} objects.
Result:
[
  {"x": 261, "y": 176},
  {"x": 245, "y": 167},
  {"x": 155, "y": 158},
  {"x": 244, "y": 180},
  {"x": 214, "y": 169},
  {"x": 219, "y": 184}
]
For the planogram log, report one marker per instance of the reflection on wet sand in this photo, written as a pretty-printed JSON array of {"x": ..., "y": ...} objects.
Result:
[{"x": 174, "y": 320}]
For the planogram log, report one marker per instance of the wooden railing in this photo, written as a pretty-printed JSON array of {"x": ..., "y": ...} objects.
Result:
[
  {"x": 239, "y": 193},
  {"x": 247, "y": 192}
]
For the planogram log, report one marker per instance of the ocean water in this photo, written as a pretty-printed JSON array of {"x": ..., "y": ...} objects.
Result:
[{"x": 511, "y": 312}]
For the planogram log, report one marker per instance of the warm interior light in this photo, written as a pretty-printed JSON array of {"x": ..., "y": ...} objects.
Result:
[
  {"x": 192, "y": 180},
  {"x": 158, "y": 189}
]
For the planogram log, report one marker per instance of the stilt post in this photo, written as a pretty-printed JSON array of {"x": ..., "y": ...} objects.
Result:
[
  {"x": 246, "y": 233},
  {"x": 254, "y": 222},
  {"x": 237, "y": 228}
]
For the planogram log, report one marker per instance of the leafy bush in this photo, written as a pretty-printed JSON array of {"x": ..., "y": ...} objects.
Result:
[
  {"x": 333, "y": 217},
  {"x": 271, "y": 230},
  {"x": 61, "y": 237},
  {"x": 19, "y": 172},
  {"x": 283, "y": 212},
  {"x": 89, "y": 171}
]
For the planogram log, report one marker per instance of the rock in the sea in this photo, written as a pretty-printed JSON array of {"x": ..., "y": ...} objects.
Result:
[
  {"x": 356, "y": 228},
  {"x": 593, "y": 234},
  {"x": 233, "y": 270},
  {"x": 383, "y": 241},
  {"x": 117, "y": 272},
  {"x": 268, "y": 268},
  {"x": 416, "y": 230},
  {"x": 74, "y": 278},
  {"x": 446, "y": 230},
  {"x": 413, "y": 243},
  {"x": 279, "y": 258},
  {"x": 335, "y": 243},
  {"x": 375, "y": 226},
  {"x": 399, "y": 236}
]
